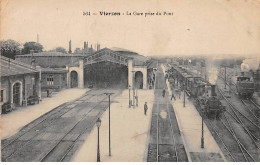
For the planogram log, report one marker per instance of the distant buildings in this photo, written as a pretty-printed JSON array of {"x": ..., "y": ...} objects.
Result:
[{"x": 86, "y": 49}]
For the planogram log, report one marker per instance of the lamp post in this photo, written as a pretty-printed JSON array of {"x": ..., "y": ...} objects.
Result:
[
  {"x": 129, "y": 87},
  {"x": 202, "y": 131},
  {"x": 109, "y": 94},
  {"x": 98, "y": 123}
]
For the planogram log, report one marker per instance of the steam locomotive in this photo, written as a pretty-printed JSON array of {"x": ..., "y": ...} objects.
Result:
[
  {"x": 245, "y": 86},
  {"x": 204, "y": 93},
  {"x": 209, "y": 103}
]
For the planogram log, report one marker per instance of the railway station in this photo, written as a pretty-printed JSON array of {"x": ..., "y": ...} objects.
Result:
[
  {"x": 130, "y": 107},
  {"x": 104, "y": 67},
  {"x": 91, "y": 81}
]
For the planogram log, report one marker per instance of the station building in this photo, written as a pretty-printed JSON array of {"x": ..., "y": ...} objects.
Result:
[
  {"x": 18, "y": 81},
  {"x": 105, "y": 67}
]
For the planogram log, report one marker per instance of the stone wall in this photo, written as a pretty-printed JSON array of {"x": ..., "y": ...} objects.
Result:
[
  {"x": 50, "y": 61},
  {"x": 26, "y": 89}
]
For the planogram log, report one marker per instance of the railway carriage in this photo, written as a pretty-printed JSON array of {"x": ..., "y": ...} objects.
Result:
[{"x": 207, "y": 99}]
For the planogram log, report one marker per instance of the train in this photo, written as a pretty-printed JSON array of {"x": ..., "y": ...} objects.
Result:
[
  {"x": 210, "y": 104},
  {"x": 202, "y": 91},
  {"x": 245, "y": 86}
]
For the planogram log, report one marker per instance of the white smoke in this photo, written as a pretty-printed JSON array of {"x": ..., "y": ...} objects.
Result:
[
  {"x": 212, "y": 71},
  {"x": 245, "y": 67},
  {"x": 250, "y": 64},
  {"x": 213, "y": 75}
]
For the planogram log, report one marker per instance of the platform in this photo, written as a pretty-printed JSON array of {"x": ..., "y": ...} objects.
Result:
[
  {"x": 190, "y": 123},
  {"x": 129, "y": 131}
]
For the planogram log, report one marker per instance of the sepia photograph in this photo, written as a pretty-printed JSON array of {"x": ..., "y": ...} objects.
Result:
[{"x": 130, "y": 81}]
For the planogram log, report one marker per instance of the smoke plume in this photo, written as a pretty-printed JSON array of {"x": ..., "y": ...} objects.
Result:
[
  {"x": 213, "y": 75},
  {"x": 250, "y": 64},
  {"x": 212, "y": 71}
]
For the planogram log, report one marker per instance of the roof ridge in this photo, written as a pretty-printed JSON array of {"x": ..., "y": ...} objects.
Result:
[{"x": 18, "y": 62}]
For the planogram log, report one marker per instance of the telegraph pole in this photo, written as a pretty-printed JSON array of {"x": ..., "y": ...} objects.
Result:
[
  {"x": 202, "y": 132},
  {"x": 109, "y": 94},
  {"x": 225, "y": 77},
  {"x": 184, "y": 94}
]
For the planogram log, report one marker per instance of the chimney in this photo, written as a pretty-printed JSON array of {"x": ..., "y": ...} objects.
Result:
[
  {"x": 70, "y": 47},
  {"x": 85, "y": 45},
  {"x": 32, "y": 58},
  {"x": 213, "y": 90},
  {"x": 242, "y": 74}
]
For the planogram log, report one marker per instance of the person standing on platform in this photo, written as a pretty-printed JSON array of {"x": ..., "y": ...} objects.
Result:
[
  {"x": 145, "y": 108},
  {"x": 48, "y": 93},
  {"x": 163, "y": 93}
]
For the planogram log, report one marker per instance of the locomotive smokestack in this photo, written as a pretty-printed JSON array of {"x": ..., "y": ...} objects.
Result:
[
  {"x": 243, "y": 74},
  {"x": 213, "y": 90}
]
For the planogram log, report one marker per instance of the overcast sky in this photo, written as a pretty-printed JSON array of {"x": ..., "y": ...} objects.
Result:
[{"x": 196, "y": 27}]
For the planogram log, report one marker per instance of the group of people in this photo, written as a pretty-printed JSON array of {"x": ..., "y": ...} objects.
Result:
[
  {"x": 163, "y": 94},
  {"x": 172, "y": 96}
]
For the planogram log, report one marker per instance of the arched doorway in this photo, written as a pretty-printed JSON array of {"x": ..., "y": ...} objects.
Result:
[
  {"x": 17, "y": 93},
  {"x": 74, "y": 79},
  {"x": 139, "y": 80}
]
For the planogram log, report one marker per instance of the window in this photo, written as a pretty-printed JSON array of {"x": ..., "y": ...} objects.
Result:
[
  {"x": 33, "y": 80},
  {"x": 2, "y": 95},
  {"x": 49, "y": 80}
]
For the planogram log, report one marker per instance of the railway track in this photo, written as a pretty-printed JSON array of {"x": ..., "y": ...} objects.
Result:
[
  {"x": 227, "y": 133},
  {"x": 235, "y": 115},
  {"x": 45, "y": 158},
  {"x": 252, "y": 114},
  {"x": 17, "y": 147},
  {"x": 257, "y": 106},
  {"x": 252, "y": 109},
  {"x": 165, "y": 141},
  {"x": 166, "y": 150}
]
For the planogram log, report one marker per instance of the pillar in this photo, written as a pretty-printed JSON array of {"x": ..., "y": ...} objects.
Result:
[
  {"x": 130, "y": 74},
  {"x": 81, "y": 74},
  {"x": 38, "y": 82},
  {"x": 145, "y": 78},
  {"x": 68, "y": 77}
]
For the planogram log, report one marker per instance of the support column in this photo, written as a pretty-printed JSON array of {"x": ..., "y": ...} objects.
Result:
[
  {"x": 68, "y": 77},
  {"x": 130, "y": 69},
  {"x": 145, "y": 79},
  {"x": 81, "y": 74},
  {"x": 38, "y": 82}
]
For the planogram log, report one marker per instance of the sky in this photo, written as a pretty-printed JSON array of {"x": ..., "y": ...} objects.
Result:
[{"x": 197, "y": 27}]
